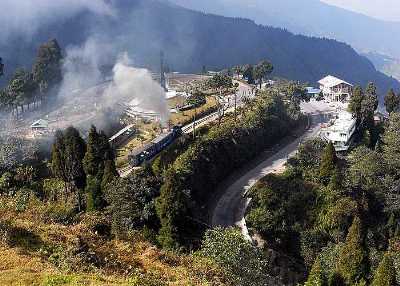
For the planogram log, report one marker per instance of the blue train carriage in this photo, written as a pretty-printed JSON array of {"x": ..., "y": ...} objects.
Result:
[{"x": 149, "y": 151}]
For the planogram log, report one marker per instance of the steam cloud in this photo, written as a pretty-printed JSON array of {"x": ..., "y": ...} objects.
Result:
[
  {"x": 128, "y": 85},
  {"x": 135, "y": 85}
]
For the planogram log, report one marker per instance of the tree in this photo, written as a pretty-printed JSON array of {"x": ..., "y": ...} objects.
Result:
[
  {"x": 315, "y": 278},
  {"x": 242, "y": 261},
  {"x": 131, "y": 201},
  {"x": 68, "y": 152},
  {"x": 391, "y": 146},
  {"x": 21, "y": 89},
  {"x": 355, "y": 103},
  {"x": 110, "y": 173},
  {"x": 92, "y": 159},
  {"x": 385, "y": 274},
  {"x": 328, "y": 163},
  {"x": 261, "y": 70},
  {"x": 248, "y": 73},
  {"x": 171, "y": 210},
  {"x": 99, "y": 166},
  {"x": 238, "y": 70},
  {"x": 367, "y": 169},
  {"x": 48, "y": 65},
  {"x": 369, "y": 104},
  {"x": 351, "y": 263},
  {"x": 392, "y": 102}
]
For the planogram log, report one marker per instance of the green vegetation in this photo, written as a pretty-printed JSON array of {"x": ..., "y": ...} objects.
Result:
[
  {"x": 26, "y": 88},
  {"x": 224, "y": 148},
  {"x": 337, "y": 216},
  {"x": 243, "y": 262}
]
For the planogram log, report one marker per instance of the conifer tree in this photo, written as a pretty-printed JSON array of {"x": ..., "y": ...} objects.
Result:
[
  {"x": 392, "y": 102},
  {"x": 75, "y": 148},
  {"x": 315, "y": 278},
  {"x": 351, "y": 262},
  {"x": 328, "y": 163},
  {"x": 385, "y": 274},
  {"x": 99, "y": 166},
  {"x": 171, "y": 211},
  {"x": 109, "y": 174},
  {"x": 92, "y": 159},
  {"x": 355, "y": 103}
]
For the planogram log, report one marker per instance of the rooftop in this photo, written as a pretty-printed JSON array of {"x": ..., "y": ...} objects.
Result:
[
  {"x": 312, "y": 90},
  {"x": 331, "y": 81},
  {"x": 41, "y": 123},
  {"x": 343, "y": 124}
]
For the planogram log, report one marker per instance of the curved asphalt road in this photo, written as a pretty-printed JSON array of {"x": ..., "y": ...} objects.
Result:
[{"x": 231, "y": 207}]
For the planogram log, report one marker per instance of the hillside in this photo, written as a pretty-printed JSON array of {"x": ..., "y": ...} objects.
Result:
[
  {"x": 311, "y": 17},
  {"x": 192, "y": 40},
  {"x": 388, "y": 65}
]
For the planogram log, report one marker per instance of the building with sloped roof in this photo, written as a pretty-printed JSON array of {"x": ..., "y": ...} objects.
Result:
[
  {"x": 340, "y": 130},
  {"x": 335, "y": 89}
]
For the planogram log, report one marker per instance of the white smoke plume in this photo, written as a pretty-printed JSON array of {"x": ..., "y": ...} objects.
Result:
[
  {"x": 137, "y": 87},
  {"x": 82, "y": 65},
  {"x": 25, "y": 17},
  {"x": 86, "y": 93}
]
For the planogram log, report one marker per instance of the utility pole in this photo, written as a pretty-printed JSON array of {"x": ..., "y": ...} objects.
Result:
[
  {"x": 194, "y": 123},
  {"x": 236, "y": 91}
]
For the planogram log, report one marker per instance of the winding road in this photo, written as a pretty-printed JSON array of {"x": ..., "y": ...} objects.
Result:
[{"x": 231, "y": 207}]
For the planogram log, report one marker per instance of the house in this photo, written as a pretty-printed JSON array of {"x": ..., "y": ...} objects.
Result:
[
  {"x": 40, "y": 125},
  {"x": 340, "y": 131},
  {"x": 335, "y": 89}
]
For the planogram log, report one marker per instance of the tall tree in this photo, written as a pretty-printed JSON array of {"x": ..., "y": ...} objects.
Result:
[
  {"x": 391, "y": 146},
  {"x": 315, "y": 278},
  {"x": 248, "y": 73},
  {"x": 99, "y": 166},
  {"x": 355, "y": 103},
  {"x": 171, "y": 210},
  {"x": 369, "y": 105},
  {"x": 385, "y": 274},
  {"x": 328, "y": 164},
  {"x": 261, "y": 70},
  {"x": 21, "y": 89},
  {"x": 392, "y": 102},
  {"x": 47, "y": 67},
  {"x": 93, "y": 157},
  {"x": 352, "y": 259},
  {"x": 68, "y": 151}
]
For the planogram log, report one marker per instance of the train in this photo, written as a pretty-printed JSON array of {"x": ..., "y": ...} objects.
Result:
[{"x": 140, "y": 155}]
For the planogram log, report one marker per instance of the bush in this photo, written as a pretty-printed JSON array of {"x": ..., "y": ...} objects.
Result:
[
  {"x": 243, "y": 262},
  {"x": 59, "y": 213}
]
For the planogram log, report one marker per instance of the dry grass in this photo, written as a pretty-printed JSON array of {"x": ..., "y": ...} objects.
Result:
[{"x": 34, "y": 251}]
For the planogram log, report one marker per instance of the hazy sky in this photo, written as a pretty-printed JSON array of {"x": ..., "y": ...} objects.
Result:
[{"x": 383, "y": 9}]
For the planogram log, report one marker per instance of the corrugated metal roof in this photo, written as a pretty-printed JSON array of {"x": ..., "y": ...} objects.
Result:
[{"x": 331, "y": 81}]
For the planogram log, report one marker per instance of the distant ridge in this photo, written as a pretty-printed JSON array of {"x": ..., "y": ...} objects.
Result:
[{"x": 191, "y": 40}]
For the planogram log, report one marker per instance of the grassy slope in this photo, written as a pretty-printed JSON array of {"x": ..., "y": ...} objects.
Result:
[{"x": 36, "y": 251}]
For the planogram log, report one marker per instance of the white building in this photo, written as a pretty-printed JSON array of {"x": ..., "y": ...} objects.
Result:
[
  {"x": 340, "y": 131},
  {"x": 335, "y": 89}
]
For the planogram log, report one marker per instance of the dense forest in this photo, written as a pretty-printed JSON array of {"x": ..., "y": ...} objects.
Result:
[{"x": 192, "y": 40}]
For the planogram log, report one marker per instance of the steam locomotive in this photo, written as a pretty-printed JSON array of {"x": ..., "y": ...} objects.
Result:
[{"x": 149, "y": 151}]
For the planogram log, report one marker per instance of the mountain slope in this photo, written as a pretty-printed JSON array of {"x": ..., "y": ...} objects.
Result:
[
  {"x": 310, "y": 17},
  {"x": 192, "y": 39}
]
